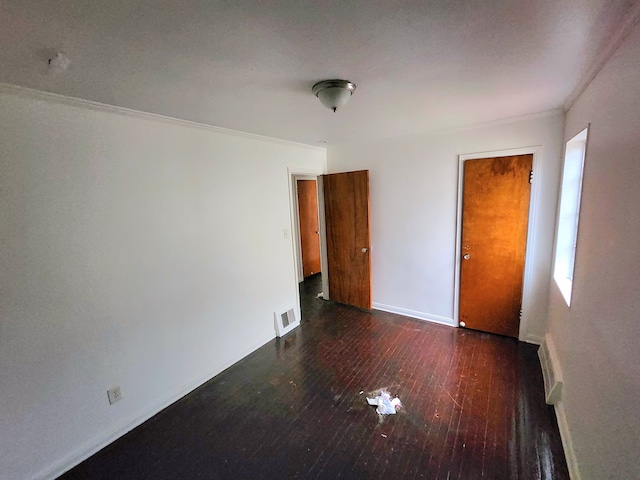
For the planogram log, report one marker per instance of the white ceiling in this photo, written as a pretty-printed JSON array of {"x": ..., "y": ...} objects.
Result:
[{"x": 250, "y": 65}]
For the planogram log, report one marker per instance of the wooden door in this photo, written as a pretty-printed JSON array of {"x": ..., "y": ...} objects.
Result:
[
  {"x": 309, "y": 234},
  {"x": 346, "y": 203},
  {"x": 495, "y": 210}
]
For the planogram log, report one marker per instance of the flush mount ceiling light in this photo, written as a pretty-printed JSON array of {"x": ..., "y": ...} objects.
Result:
[{"x": 333, "y": 94}]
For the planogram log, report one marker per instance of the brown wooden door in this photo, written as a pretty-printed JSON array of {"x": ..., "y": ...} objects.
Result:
[
  {"x": 309, "y": 234},
  {"x": 346, "y": 203},
  {"x": 495, "y": 210}
]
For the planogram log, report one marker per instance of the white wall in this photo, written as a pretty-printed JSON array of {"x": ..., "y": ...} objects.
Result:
[
  {"x": 135, "y": 251},
  {"x": 414, "y": 182},
  {"x": 597, "y": 338}
]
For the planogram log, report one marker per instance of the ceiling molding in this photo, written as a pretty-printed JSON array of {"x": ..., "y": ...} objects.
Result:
[
  {"x": 6, "y": 88},
  {"x": 465, "y": 128},
  {"x": 620, "y": 34},
  {"x": 501, "y": 121}
]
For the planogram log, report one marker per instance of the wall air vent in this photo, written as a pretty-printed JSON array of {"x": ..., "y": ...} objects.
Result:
[
  {"x": 550, "y": 371},
  {"x": 285, "y": 320}
]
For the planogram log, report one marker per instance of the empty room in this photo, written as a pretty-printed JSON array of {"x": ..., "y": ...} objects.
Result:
[{"x": 321, "y": 240}]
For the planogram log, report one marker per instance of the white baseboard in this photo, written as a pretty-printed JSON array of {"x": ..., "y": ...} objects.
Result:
[
  {"x": 414, "y": 314},
  {"x": 102, "y": 440},
  {"x": 535, "y": 339},
  {"x": 567, "y": 444}
]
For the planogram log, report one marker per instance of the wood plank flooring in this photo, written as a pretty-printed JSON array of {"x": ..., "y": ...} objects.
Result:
[{"x": 473, "y": 408}]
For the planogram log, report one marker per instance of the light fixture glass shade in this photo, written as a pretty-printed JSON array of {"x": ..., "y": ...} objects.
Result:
[
  {"x": 333, "y": 94},
  {"x": 334, "y": 98}
]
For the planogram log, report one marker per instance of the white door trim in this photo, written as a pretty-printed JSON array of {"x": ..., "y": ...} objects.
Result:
[{"x": 529, "y": 262}]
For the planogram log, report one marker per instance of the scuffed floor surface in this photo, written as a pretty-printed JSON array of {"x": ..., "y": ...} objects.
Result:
[{"x": 473, "y": 408}]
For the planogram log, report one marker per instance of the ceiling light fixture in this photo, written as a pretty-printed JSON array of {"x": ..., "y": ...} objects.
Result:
[{"x": 333, "y": 94}]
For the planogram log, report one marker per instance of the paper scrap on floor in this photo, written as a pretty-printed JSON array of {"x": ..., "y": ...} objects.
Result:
[{"x": 386, "y": 404}]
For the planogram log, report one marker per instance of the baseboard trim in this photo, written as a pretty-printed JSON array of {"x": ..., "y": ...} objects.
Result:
[
  {"x": 534, "y": 339},
  {"x": 101, "y": 441},
  {"x": 415, "y": 314},
  {"x": 567, "y": 444}
]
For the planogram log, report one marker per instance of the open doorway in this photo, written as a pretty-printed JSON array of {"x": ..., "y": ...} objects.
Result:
[
  {"x": 308, "y": 227},
  {"x": 294, "y": 174},
  {"x": 344, "y": 227},
  {"x": 310, "y": 176}
]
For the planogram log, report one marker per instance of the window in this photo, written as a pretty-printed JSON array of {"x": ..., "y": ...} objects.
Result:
[{"x": 568, "y": 215}]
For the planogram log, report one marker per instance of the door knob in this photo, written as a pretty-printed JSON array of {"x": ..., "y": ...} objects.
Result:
[
  {"x": 466, "y": 256},
  {"x": 364, "y": 250}
]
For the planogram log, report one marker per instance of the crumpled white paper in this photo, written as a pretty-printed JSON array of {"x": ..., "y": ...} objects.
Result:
[{"x": 386, "y": 404}]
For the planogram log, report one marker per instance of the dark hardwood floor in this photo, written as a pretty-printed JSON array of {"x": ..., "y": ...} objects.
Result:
[{"x": 473, "y": 408}]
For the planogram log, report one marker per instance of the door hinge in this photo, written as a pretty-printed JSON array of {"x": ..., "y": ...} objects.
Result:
[{"x": 531, "y": 176}]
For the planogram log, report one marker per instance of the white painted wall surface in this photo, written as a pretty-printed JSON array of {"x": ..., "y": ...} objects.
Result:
[
  {"x": 414, "y": 182},
  {"x": 597, "y": 338},
  {"x": 134, "y": 251}
]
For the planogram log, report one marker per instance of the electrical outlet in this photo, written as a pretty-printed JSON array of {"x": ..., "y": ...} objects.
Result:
[{"x": 114, "y": 394}]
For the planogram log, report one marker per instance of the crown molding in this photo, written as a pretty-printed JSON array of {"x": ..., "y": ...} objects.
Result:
[
  {"x": 621, "y": 33},
  {"x": 463, "y": 128},
  {"x": 6, "y": 88}
]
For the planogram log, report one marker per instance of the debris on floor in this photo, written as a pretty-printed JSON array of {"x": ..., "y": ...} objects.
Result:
[{"x": 386, "y": 405}]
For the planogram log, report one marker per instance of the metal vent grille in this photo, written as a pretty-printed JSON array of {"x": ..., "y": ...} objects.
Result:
[
  {"x": 288, "y": 318},
  {"x": 285, "y": 320}
]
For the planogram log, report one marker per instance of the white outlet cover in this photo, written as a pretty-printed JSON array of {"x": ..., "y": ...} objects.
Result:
[{"x": 114, "y": 395}]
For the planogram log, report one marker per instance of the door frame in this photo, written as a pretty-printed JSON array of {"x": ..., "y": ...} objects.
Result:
[
  {"x": 529, "y": 260},
  {"x": 294, "y": 174}
]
